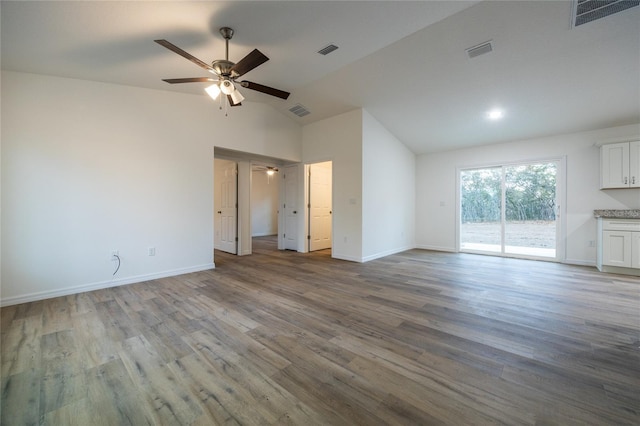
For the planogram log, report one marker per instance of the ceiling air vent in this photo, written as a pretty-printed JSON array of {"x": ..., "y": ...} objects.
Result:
[
  {"x": 480, "y": 49},
  {"x": 584, "y": 11},
  {"x": 299, "y": 110},
  {"x": 328, "y": 49}
]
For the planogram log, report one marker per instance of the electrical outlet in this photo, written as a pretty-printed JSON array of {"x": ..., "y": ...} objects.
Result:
[
  {"x": 151, "y": 251},
  {"x": 592, "y": 243}
]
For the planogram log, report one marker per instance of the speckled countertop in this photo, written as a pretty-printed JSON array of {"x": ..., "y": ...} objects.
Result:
[{"x": 618, "y": 214}]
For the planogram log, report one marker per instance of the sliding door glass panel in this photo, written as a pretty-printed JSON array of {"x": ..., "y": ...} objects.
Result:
[
  {"x": 530, "y": 209},
  {"x": 481, "y": 206}
]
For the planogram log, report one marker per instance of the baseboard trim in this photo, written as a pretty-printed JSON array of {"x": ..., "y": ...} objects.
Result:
[
  {"x": 386, "y": 253},
  {"x": 579, "y": 262},
  {"x": 436, "y": 248},
  {"x": 264, "y": 234},
  {"x": 32, "y": 297},
  {"x": 344, "y": 257}
]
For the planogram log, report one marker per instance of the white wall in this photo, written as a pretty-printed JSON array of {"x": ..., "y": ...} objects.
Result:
[
  {"x": 264, "y": 204},
  {"x": 90, "y": 167},
  {"x": 339, "y": 139},
  {"x": 436, "y": 187},
  {"x": 373, "y": 211},
  {"x": 388, "y": 192}
]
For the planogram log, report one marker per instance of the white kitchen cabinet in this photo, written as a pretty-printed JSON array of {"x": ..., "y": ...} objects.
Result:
[
  {"x": 634, "y": 164},
  {"x": 619, "y": 246},
  {"x": 616, "y": 248},
  {"x": 620, "y": 165},
  {"x": 635, "y": 250}
]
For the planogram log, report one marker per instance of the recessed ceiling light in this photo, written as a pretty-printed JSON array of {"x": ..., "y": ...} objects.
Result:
[{"x": 495, "y": 114}]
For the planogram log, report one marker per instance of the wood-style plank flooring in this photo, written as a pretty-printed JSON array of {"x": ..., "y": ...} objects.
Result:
[{"x": 277, "y": 338}]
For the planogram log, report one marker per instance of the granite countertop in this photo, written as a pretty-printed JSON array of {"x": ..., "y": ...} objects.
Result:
[{"x": 618, "y": 214}]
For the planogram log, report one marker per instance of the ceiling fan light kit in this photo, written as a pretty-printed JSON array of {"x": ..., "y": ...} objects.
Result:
[
  {"x": 227, "y": 72},
  {"x": 213, "y": 91}
]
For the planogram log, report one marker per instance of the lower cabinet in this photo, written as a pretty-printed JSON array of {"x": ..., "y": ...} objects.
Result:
[
  {"x": 635, "y": 249},
  {"x": 619, "y": 246}
]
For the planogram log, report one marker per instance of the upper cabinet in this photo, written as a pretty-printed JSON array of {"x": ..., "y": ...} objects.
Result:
[{"x": 620, "y": 165}]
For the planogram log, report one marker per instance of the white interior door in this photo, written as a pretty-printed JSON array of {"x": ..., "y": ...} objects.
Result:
[
  {"x": 290, "y": 208},
  {"x": 228, "y": 209},
  {"x": 320, "y": 206}
]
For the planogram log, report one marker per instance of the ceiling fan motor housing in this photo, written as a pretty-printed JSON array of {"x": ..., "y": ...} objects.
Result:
[{"x": 223, "y": 67}]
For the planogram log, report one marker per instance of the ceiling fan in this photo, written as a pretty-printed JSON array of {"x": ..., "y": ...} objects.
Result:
[
  {"x": 227, "y": 72},
  {"x": 270, "y": 170}
]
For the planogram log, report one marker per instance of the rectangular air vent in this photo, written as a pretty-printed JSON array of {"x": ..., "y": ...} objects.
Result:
[
  {"x": 479, "y": 49},
  {"x": 328, "y": 49},
  {"x": 584, "y": 11},
  {"x": 299, "y": 110}
]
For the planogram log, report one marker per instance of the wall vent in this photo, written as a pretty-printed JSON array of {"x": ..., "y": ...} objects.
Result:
[
  {"x": 479, "y": 49},
  {"x": 584, "y": 11},
  {"x": 328, "y": 49},
  {"x": 299, "y": 110}
]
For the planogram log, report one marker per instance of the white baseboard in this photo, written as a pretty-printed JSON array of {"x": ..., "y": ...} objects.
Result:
[
  {"x": 32, "y": 297},
  {"x": 264, "y": 234},
  {"x": 436, "y": 248},
  {"x": 346, "y": 257},
  {"x": 386, "y": 253},
  {"x": 580, "y": 262}
]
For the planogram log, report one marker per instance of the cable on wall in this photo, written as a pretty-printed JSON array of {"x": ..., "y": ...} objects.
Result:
[{"x": 117, "y": 257}]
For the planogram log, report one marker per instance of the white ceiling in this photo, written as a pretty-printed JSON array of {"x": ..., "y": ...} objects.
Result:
[{"x": 404, "y": 62}]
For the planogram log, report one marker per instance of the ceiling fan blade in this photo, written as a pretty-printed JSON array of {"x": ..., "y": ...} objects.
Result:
[
  {"x": 188, "y": 80},
  {"x": 184, "y": 54},
  {"x": 265, "y": 89},
  {"x": 231, "y": 101},
  {"x": 249, "y": 62}
]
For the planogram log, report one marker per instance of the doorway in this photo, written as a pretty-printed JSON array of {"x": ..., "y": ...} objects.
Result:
[
  {"x": 264, "y": 200},
  {"x": 511, "y": 210},
  {"x": 225, "y": 206},
  {"x": 320, "y": 206}
]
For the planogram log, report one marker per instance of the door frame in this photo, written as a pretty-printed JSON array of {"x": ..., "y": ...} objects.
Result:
[{"x": 561, "y": 197}]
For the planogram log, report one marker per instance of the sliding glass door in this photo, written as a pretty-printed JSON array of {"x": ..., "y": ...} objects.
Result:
[
  {"x": 510, "y": 210},
  {"x": 481, "y": 212}
]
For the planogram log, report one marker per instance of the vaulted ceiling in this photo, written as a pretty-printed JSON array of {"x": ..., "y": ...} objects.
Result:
[{"x": 404, "y": 62}]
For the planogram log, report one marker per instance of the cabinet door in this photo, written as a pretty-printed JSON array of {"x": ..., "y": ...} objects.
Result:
[
  {"x": 635, "y": 249},
  {"x": 634, "y": 164},
  {"x": 616, "y": 248},
  {"x": 614, "y": 165}
]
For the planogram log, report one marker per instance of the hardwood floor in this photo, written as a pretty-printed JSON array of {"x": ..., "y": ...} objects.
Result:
[{"x": 287, "y": 338}]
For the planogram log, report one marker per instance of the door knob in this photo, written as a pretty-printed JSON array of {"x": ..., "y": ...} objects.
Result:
[
  {"x": 295, "y": 212},
  {"x": 219, "y": 212}
]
